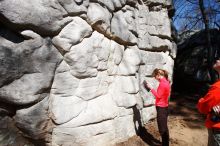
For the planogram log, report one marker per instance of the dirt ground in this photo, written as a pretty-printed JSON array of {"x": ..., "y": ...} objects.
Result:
[{"x": 186, "y": 126}]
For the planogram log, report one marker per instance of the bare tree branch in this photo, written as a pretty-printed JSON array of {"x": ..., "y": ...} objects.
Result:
[
  {"x": 191, "y": 2},
  {"x": 218, "y": 25},
  {"x": 208, "y": 37}
]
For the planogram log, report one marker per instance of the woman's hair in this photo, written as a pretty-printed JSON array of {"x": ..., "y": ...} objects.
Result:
[{"x": 161, "y": 72}]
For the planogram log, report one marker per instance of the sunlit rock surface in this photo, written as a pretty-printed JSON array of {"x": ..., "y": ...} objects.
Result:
[{"x": 71, "y": 71}]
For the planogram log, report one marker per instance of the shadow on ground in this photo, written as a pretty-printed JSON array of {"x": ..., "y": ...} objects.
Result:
[{"x": 186, "y": 107}]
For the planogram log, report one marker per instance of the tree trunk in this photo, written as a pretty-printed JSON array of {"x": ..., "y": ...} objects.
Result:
[{"x": 211, "y": 53}]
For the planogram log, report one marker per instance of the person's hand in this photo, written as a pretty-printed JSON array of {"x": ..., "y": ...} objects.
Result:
[
  {"x": 216, "y": 110},
  {"x": 147, "y": 86}
]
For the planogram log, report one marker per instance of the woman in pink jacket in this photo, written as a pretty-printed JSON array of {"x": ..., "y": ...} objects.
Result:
[{"x": 162, "y": 97}]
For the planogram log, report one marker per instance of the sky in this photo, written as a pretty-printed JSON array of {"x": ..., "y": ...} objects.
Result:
[{"x": 188, "y": 14}]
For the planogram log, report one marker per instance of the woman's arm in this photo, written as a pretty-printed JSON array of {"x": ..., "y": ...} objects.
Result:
[{"x": 160, "y": 91}]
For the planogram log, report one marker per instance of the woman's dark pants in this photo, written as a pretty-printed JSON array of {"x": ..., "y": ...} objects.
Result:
[{"x": 162, "y": 115}]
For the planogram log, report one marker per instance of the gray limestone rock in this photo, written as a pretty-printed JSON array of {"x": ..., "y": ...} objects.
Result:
[
  {"x": 99, "y": 17},
  {"x": 42, "y": 16},
  {"x": 28, "y": 69},
  {"x": 74, "y": 7},
  {"x": 71, "y": 71},
  {"x": 35, "y": 122},
  {"x": 10, "y": 134},
  {"x": 158, "y": 2},
  {"x": 112, "y": 5},
  {"x": 72, "y": 34},
  {"x": 123, "y": 25}
]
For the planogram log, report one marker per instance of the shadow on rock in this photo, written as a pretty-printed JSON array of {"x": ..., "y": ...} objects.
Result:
[{"x": 142, "y": 132}]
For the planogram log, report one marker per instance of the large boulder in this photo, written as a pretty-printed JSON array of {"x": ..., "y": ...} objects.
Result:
[
  {"x": 42, "y": 16},
  {"x": 71, "y": 71}
]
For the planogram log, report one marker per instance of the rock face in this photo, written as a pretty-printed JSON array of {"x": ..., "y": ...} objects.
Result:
[{"x": 71, "y": 71}]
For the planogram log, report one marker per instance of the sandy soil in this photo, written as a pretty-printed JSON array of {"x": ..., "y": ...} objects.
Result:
[{"x": 185, "y": 124}]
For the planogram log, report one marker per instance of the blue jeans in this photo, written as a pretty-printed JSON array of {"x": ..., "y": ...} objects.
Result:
[{"x": 214, "y": 137}]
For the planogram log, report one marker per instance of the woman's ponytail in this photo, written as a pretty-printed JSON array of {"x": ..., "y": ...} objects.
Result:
[
  {"x": 161, "y": 72},
  {"x": 166, "y": 74}
]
